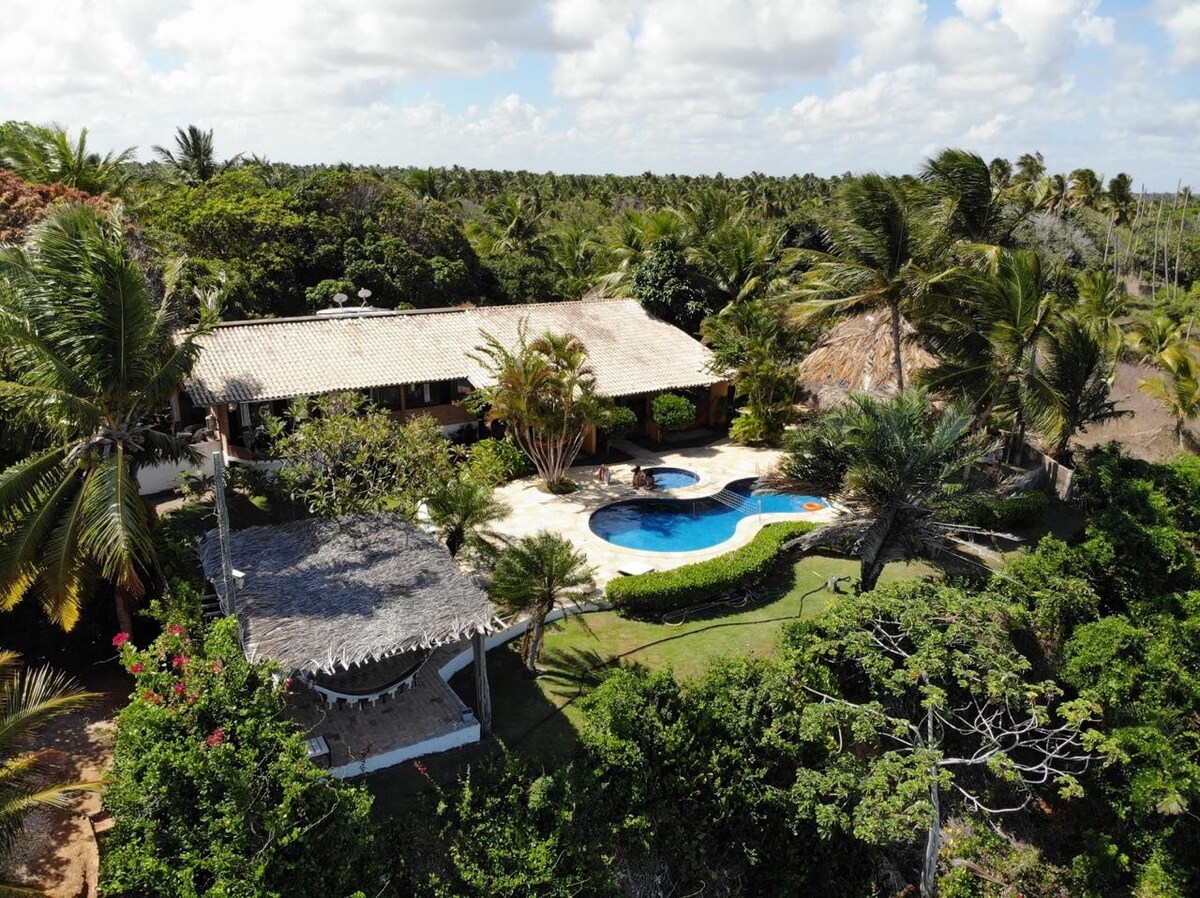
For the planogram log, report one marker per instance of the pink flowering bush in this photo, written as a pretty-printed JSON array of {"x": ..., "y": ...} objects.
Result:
[{"x": 212, "y": 791}]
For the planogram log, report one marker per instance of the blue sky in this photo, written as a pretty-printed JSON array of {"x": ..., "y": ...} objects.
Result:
[{"x": 625, "y": 86}]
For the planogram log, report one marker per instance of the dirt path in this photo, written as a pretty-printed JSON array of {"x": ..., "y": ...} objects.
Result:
[
  {"x": 1149, "y": 433},
  {"x": 57, "y": 853}
]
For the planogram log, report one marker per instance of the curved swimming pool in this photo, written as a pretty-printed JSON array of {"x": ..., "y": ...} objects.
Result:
[{"x": 684, "y": 525}]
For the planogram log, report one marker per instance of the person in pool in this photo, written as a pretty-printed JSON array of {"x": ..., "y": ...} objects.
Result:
[
  {"x": 648, "y": 480},
  {"x": 639, "y": 479}
]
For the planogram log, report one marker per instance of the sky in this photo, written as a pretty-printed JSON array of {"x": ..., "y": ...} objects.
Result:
[{"x": 623, "y": 86}]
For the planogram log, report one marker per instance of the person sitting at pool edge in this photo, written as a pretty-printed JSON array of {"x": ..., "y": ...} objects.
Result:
[
  {"x": 648, "y": 480},
  {"x": 638, "y": 477},
  {"x": 603, "y": 474}
]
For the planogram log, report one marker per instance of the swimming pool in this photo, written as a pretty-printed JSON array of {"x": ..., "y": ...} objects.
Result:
[
  {"x": 673, "y": 478},
  {"x": 684, "y": 525}
]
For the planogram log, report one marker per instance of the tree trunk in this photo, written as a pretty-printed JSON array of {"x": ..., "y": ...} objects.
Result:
[
  {"x": 483, "y": 691},
  {"x": 933, "y": 844},
  {"x": 124, "y": 604},
  {"x": 869, "y": 572},
  {"x": 537, "y": 627},
  {"x": 897, "y": 357}
]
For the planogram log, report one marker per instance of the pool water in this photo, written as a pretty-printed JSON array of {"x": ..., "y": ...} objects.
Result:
[
  {"x": 673, "y": 478},
  {"x": 684, "y": 525}
]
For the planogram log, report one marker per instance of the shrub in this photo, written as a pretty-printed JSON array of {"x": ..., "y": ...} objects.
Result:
[
  {"x": 212, "y": 792},
  {"x": 619, "y": 422},
  {"x": 672, "y": 412},
  {"x": 494, "y": 462},
  {"x": 1017, "y": 510},
  {"x": 704, "y": 581}
]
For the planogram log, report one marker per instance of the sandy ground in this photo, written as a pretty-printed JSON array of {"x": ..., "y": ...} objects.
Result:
[
  {"x": 57, "y": 853},
  {"x": 1149, "y": 433}
]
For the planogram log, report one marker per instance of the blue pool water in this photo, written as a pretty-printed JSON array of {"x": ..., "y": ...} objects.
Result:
[
  {"x": 673, "y": 478},
  {"x": 682, "y": 525}
]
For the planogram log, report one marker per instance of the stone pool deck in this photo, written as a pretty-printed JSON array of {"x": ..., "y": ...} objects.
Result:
[{"x": 717, "y": 464}]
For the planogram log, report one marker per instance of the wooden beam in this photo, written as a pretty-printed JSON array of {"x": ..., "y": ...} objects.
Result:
[{"x": 483, "y": 692}]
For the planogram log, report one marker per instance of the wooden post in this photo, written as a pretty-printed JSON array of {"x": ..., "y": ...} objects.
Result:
[{"x": 483, "y": 692}]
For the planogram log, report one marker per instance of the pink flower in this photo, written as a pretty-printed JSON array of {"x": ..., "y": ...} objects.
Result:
[
  {"x": 179, "y": 688},
  {"x": 120, "y": 639},
  {"x": 176, "y": 630},
  {"x": 216, "y": 737},
  {"x": 420, "y": 768},
  {"x": 178, "y": 662},
  {"x": 137, "y": 667},
  {"x": 153, "y": 697}
]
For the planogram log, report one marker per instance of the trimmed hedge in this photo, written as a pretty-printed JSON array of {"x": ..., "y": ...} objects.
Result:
[
  {"x": 704, "y": 581},
  {"x": 1017, "y": 510}
]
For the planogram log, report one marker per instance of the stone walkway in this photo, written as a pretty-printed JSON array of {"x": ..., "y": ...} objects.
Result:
[{"x": 717, "y": 464}]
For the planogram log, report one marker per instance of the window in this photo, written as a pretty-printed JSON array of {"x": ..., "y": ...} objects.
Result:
[
  {"x": 386, "y": 397},
  {"x": 424, "y": 395}
]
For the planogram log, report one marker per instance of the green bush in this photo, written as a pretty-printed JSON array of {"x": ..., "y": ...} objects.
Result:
[
  {"x": 704, "y": 581},
  {"x": 672, "y": 412},
  {"x": 494, "y": 462},
  {"x": 1017, "y": 510},
  {"x": 212, "y": 791},
  {"x": 619, "y": 422}
]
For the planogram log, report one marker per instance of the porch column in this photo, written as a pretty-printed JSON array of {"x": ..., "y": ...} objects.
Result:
[
  {"x": 589, "y": 439},
  {"x": 483, "y": 692},
  {"x": 221, "y": 414}
]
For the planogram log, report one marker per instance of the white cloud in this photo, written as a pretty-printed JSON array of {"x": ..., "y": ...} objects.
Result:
[{"x": 1180, "y": 20}]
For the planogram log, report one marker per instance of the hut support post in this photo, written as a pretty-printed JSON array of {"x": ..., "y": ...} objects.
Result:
[{"x": 483, "y": 692}]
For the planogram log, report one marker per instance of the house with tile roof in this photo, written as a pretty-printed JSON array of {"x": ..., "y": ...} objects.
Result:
[{"x": 425, "y": 361}]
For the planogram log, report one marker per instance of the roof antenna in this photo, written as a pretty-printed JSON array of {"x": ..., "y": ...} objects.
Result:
[
  {"x": 364, "y": 294},
  {"x": 340, "y": 299}
]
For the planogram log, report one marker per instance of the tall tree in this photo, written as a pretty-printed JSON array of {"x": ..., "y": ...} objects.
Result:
[
  {"x": 1178, "y": 391},
  {"x": 886, "y": 462},
  {"x": 535, "y": 575},
  {"x": 95, "y": 362},
  {"x": 194, "y": 159},
  {"x": 48, "y": 155},
  {"x": 874, "y": 259},
  {"x": 545, "y": 392},
  {"x": 29, "y": 699}
]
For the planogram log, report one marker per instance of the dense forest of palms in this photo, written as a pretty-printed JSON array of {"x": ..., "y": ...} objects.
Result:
[{"x": 1025, "y": 291}]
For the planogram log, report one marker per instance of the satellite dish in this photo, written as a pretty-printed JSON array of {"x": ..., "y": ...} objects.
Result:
[
  {"x": 364, "y": 294},
  {"x": 340, "y": 298}
]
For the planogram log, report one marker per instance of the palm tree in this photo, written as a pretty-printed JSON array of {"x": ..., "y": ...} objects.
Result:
[
  {"x": 1031, "y": 167},
  {"x": 628, "y": 241},
  {"x": 873, "y": 260},
  {"x": 514, "y": 225},
  {"x": 1102, "y": 305},
  {"x": 534, "y": 575},
  {"x": 95, "y": 363},
  {"x": 740, "y": 261},
  {"x": 967, "y": 205},
  {"x": 462, "y": 509},
  {"x": 886, "y": 462},
  {"x": 545, "y": 392},
  {"x": 194, "y": 159},
  {"x": 1178, "y": 390},
  {"x": 1074, "y": 384},
  {"x": 47, "y": 155},
  {"x": 29, "y": 699},
  {"x": 988, "y": 341},
  {"x": 1086, "y": 190},
  {"x": 1162, "y": 341}
]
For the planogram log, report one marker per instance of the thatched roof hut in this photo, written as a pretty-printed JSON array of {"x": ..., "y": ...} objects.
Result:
[
  {"x": 326, "y": 595},
  {"x": 856, "y": 355}
]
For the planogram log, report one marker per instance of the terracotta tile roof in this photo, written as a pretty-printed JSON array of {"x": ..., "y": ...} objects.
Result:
[{"x": 254, "y": 361}]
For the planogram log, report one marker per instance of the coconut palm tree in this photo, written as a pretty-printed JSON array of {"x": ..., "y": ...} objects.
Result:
[
  {"x": 967, "y": 204},
  {"x": 462, "y": 509},
  {"x": 193, "y": 159},
  {"x": 987, "y": 342},
  {"x": 1103, "y": 304},
  {"x": 886, "y": 462},
  {"x": 533, "y": 576},
  {"x": 874, "y": 259},
  {"x": 48, "y": 155},
  {"x": 95, "y": 363},
  {"x": 1162, "y": 341},
  {"x": 29, "y": 699},
  {"x": 739, "y": 261},
  {"x": 1074, "y": 385},
  {"x": 1178, "y": 390},
  {"x": 626, "y": 243}
]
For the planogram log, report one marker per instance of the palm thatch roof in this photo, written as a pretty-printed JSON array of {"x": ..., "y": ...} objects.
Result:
[
  {"x": 855, "y": 356},
  {"x": 323, "y": 595}
]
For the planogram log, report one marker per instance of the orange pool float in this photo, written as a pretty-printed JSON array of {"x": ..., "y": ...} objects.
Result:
[{"x": 813, "y": 506}]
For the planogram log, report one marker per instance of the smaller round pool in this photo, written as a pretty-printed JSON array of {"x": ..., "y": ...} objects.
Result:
[{"x": 673, "y": 478}]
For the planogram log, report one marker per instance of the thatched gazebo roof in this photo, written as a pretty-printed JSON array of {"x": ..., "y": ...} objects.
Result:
[
  {"x": 855, "y": 356},
  {"x": 323, "y": 595}
]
